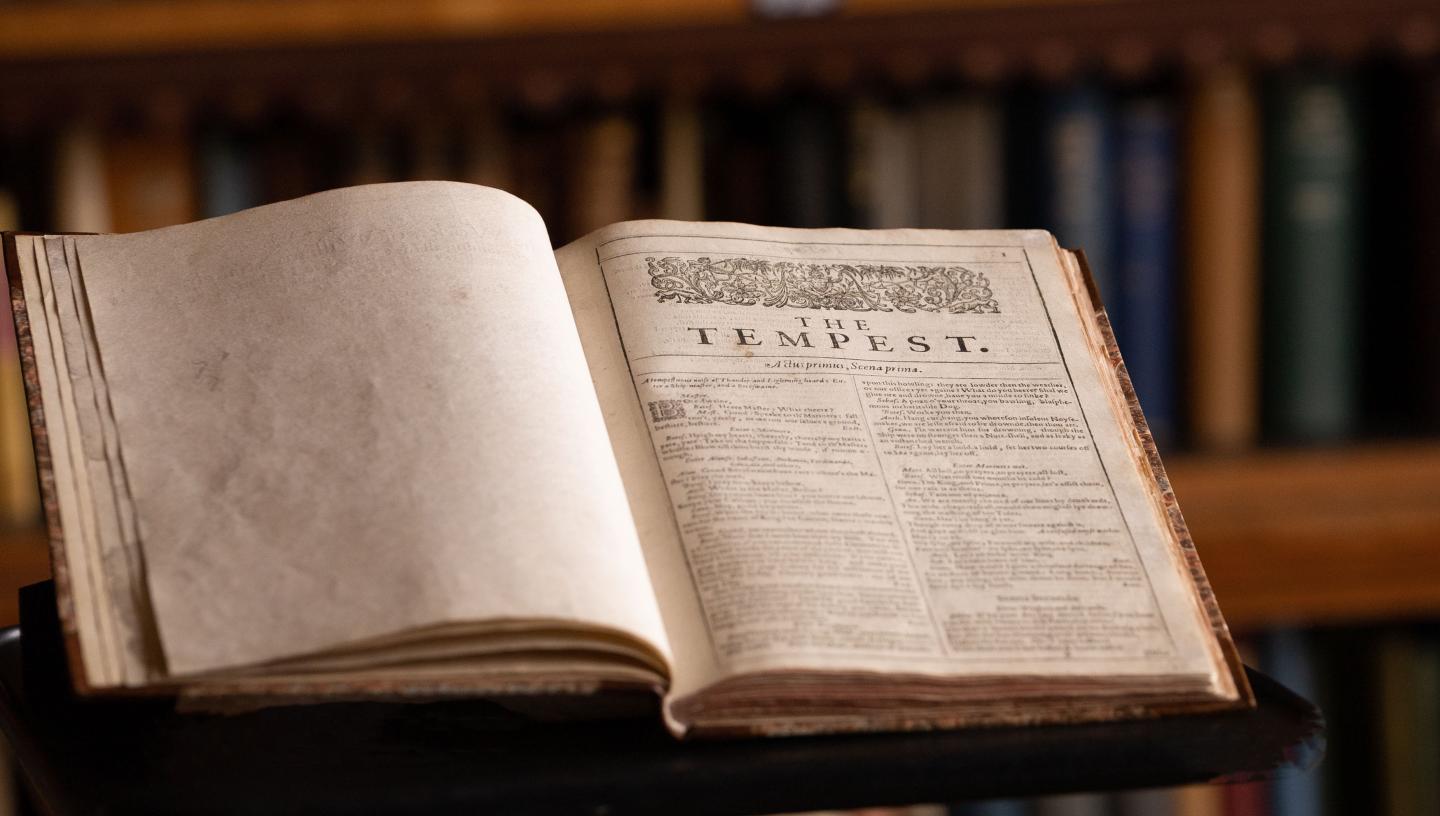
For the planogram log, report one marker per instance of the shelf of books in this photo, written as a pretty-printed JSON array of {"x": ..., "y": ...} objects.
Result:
[{"x": 1254, "y": 183}]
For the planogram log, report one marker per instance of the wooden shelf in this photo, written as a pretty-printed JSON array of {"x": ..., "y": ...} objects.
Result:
[
  {"x": 119, "y": 52},
  {"x": 1317, "y": 536}
]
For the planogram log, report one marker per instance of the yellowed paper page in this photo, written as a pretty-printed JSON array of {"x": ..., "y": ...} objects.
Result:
[
  {"x": 355, "y": 414},
  {"x": 880, "y": 451}
]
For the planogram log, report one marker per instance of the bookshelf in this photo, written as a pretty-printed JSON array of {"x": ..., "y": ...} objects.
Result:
[
  {"x": 111, "y": 54},
  {"x": 1337, "y": 536},
  {"x": 1261, "y": 519}
]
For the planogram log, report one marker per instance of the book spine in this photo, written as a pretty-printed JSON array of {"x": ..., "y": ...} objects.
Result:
[
  {"x": 19, "y": 489},
  {"x": 603, "y": 176},
  {"x": 1075, "y": 804},
  {"x": 82, "y": 193},
  {"x": 682, "y": 160},
  {"x": 150, "y": 174},
  {"x": 1200, "y": 800},
  {"x": 884, "y": 170},
  {"x": 961, "y": 164},
  {"x": 1147, "y": 257},
  {"x": 811, "y": 187},
  {"x": 1080, "y": 146},
  {"x": 1290, "y": 659},
  {"x": 1221, "y": 260},
  {"x": 1311, "y": 256},
  {"x": 1426, "y": 181},
  {"x": 227, "y": 172}
]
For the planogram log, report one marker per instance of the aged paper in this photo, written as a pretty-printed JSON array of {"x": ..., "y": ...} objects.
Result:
[
  {"x": 878, "y": 451},
  {"x": 357, "y": 414}
]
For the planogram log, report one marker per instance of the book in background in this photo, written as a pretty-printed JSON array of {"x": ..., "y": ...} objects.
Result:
[
  {"x": 811, "y": 164},
  {"x": 1025, "y": 120},
  {"x": 1401, "y": 391},
  {"x": 1079, "y": 149},
  {"x": 19, "y": 493},
  {"x": 1146, "y": 266},
  {"x": 884, "y": 166},
  {"x": 602, "y": 188},
  {"x": 229, "y": 179},
  {"x": 150, "y": 171},
  {"x": 1073, "y": 804},
  {"x": 739, "y": 163},
  {"x": 1290, "y": 659},
  {"x": 1425, "y": 175},
  {"x": 1247, "y": 798},
  {"x": 993, "y": 807},
  {"x": 1221, "y": 206},
  {"x": 1346, "y": 691},
  {"x": 961, "y": 163},
  {"x": 1311, "y": 344},
  {"x": 1409, "y": 704},
  {"x": 82, "y": 191},
  {"x": 484, "y": 150},
  {"x": 681, "y": 163}
]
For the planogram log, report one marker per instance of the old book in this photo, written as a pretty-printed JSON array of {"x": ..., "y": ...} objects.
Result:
[
  {"x": 382, "y": 441},
  {"x": 1146, "y": 256}
]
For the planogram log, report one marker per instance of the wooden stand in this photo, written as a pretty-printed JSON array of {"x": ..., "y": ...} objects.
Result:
[{"x": 474, "y": 756}]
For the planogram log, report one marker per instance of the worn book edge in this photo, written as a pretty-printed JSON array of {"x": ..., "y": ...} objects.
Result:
[{"x": 1186, "y": 543}]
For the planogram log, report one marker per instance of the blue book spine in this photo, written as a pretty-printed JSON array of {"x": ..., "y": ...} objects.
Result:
[
  {"x": 1080, "y": 147},
  {"x": 227, "y": 174},
  {"x": 1290, "y": 659},
  {"x": 1146, "y": 267}
]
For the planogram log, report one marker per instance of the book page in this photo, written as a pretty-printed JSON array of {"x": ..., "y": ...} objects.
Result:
[
  {"x": 358, "y": 414},
  {"x": 887, "y": 451}
]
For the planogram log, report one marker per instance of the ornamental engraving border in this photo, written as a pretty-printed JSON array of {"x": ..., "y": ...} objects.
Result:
[{"x": 834, "y": 286}]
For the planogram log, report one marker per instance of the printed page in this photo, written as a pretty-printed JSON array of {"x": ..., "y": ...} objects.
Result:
[
  {"x": 876, "y": 451},
  {"x": 357, "y": 414}
]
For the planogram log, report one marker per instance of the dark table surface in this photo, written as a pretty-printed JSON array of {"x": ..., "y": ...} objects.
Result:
[{"x": 473, "y": 756}]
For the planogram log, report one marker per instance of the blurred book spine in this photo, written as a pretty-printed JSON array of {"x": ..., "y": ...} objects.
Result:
[
  {"x": 961, "y": 158},
  {"x": 1079, "y": 149},
  {"x": 1222, "y": 260},
  {"x": 150, "y": 176},
  {"x": 682, "y": 160},
  {"x": 227, "y": 172},
  {"x": 19, "y": 490},
  {"x": 1290, "y": 659},
  {"x": 1146, "y": 272},
  {"x": 810, "y": 178},
  {"x": 603, "y": 173},
  {"x": 1312, "y": 255},
  {"x": 884, "y": 166}
]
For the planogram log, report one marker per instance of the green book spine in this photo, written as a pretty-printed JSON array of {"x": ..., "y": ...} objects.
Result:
[{"x": 1312, "y": 255}]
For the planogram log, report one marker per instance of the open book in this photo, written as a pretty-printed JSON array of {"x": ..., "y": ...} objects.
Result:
[{"x": 383, "y": 441}]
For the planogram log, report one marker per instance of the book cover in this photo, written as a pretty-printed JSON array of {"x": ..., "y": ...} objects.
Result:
[
  {"x": 1221, "y": 259},
  {"x": 1312, "y": 255},
  {"x": 1147, "y": 269}
]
